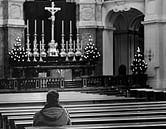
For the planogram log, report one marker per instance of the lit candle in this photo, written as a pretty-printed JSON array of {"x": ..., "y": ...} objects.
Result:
[
  {"x": 27, "y": 26},
  {"x": 42, "y": 26},
  {"x": 62, "y": 26},
  {"x": 35, "y": 26},
  {"x": 70, "y": 27}
]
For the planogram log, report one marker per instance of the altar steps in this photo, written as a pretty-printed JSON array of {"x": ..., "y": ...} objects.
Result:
[
  {"x": 73, "y": 84},
  {"x": 104, "y": 91}
]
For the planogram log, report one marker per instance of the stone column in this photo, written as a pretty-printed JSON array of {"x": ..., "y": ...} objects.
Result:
[
  {"x": 11, "y": 27},
  {"x": 90, "y": 22},
  {"x": 155, "y": 41},
  {"x": 108, "y": 51}
]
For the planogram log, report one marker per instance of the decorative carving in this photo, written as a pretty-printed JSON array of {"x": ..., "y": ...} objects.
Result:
[
  {"x": 15, "y": 11},
  {"x": 121, "y": 8},
  {"x": 87, "y": 13},
  {"x": 120, "y": 5}
]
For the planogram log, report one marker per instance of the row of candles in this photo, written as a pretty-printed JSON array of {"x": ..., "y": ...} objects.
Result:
[{"x": 68, "y": 49}]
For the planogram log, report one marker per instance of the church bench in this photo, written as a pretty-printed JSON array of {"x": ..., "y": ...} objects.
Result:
[
  {"x": 32, "y": 111},
  {"x": 147, "y": 125},
  {"x": 92, "y": 115},
  {"x": 73, "y": 112},
  {"x": 92, "y": 109},
  {"x": 155, "y": 108},
  {"x": 108, "y": 114},
  {"x": 10, "y": 119},
  {"x": 17, "y": 106},
  {"x": 79, "y": 106},
  {"x": 82, "y": 121},
  {"x": 3, "y": 109},
  {"x": 149, "y": 94}
]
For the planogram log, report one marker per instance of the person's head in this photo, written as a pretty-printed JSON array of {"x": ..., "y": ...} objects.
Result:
[{"x": 52, "y": 97}]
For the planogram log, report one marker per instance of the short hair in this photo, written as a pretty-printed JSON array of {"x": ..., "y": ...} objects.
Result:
[{"x": 52, "y": 96}]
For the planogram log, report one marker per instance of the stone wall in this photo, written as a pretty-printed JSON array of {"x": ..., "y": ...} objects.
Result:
[
  {"x": 90, "y": 23},
  {"x": 11, "y": 27}
]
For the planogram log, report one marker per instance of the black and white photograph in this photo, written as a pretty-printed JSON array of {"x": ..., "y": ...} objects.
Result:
[{"x": 82, "y": 64}]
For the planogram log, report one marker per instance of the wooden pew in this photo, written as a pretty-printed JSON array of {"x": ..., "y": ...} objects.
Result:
[
  {"x": 113, "y": 105},
  {"x": 98, "y": 115},
  {"x": 149, "y": 94},
  {"x": 138, "y": 113},
  {"x": 84, "y": 121},
  {"x": 147, "y": 125},
  {"x": 20, "y": 117},
  {"x": 113, "y": 109}
]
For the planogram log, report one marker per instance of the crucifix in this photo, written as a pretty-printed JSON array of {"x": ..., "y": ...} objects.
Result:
[{"x": 53, "y": 10}]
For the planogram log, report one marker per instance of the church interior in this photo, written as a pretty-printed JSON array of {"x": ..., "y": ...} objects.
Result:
[{"x": 106, "y": 58}]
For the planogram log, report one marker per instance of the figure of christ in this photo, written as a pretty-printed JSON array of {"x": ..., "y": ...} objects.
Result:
[{"x": 52, "y": 51}]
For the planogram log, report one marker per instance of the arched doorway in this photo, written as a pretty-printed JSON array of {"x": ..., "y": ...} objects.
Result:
[{"x": 128, "y": 35}]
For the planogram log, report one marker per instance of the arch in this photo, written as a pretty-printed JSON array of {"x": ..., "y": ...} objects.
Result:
[
  {"x": 111, "y": 16},
  {"x": 121, "y": 22},
  {"x": 126, "y": 35}
]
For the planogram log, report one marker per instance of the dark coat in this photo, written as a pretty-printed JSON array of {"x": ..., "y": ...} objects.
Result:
[{"x": 52, "y": 116}]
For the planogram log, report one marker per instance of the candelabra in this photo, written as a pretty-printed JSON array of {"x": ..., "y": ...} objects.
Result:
[
  {"x": 35, "y": 49},
  {"x": 42, "y": 51},
  {"x": 74, "y": 58},
  {"x": 28, "y": 50},
  {"x": 79, "y": 47},
  {"x": 67, "y": 58},
  {"x": 70, "y": 53},
  {"x": 63, "y": 53}
]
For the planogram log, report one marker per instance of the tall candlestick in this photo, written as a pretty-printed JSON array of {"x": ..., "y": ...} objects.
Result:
[
  {"x": 77, "y": 30},
  {"x": 27, "y": 26},
  {"x": 66, "y": 46},
  {"x": 42, "y": 26},
  {"x": 70, "y": 27},
  {"x": 35, "y": 26},
  {"x": 40, "y": 46},
  {"x": 62, "y": 26},
  {"x": 74, "y": 46},
  {"x": 81, "y": 46}
]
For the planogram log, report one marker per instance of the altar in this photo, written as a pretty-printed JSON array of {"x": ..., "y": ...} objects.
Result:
[
  {"x": 55, "y": 59},
  {"x": 67, "y": 72}
]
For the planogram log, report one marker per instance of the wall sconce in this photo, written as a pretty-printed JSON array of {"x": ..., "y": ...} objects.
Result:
[{"x": 149, "y": 54}]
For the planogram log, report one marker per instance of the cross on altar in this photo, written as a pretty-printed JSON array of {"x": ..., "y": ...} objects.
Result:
[{"x": 52, "y": 10}]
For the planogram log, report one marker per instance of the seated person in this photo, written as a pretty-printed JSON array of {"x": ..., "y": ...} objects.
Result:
[{"x": 53, "y": 114}]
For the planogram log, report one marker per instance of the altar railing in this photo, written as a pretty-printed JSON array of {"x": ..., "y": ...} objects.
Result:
[
  {"x": 31, "y": 83},
  {"x": 128, "y": 81},
  {"x": 106, "y": 81}
]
